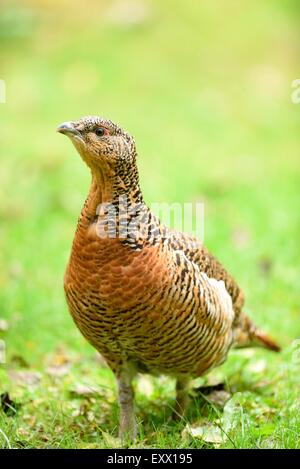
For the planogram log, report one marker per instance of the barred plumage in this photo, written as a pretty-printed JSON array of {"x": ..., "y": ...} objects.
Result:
[{"x": 149, "y": 299}]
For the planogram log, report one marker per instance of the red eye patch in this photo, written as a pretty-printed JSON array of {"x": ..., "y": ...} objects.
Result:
[{"x": 101, "y": 131}]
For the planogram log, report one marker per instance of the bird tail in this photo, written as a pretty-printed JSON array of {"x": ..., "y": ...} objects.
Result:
[{"x": 248, "y": 335}]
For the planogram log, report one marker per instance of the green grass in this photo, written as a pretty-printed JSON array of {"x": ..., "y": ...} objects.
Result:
[{"x": 205, "y": 88}]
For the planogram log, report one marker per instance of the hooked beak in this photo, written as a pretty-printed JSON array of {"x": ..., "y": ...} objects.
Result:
[{"x": 67, "y": 128}]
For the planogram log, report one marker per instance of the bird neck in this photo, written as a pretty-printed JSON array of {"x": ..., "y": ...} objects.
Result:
[
  {"x": 119, "y": 192},
  {"x": 115, "y": 209}
]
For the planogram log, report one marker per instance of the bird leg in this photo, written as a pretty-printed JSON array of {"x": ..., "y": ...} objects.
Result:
[
  {"x": 128, "y": 427},
  {"x": 182, "y": 398}
]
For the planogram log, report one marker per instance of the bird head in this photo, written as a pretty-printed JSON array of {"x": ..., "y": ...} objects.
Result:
[{"x": 102, "y": 144}]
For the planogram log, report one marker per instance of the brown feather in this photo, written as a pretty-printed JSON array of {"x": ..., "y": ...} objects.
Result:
[{"x": 159, "y": 303}]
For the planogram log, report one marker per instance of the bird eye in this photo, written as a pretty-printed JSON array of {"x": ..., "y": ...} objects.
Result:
[{"x": 100, "y": 131}]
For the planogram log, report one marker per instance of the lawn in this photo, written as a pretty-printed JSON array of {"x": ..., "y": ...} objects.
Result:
[{"x": 205, "y": 88}]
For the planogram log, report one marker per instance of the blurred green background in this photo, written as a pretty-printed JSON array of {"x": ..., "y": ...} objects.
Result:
[{"x": 205, "y": 88}]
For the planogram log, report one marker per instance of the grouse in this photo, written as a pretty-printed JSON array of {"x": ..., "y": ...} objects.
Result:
[{"x": 148, "y": 298}]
